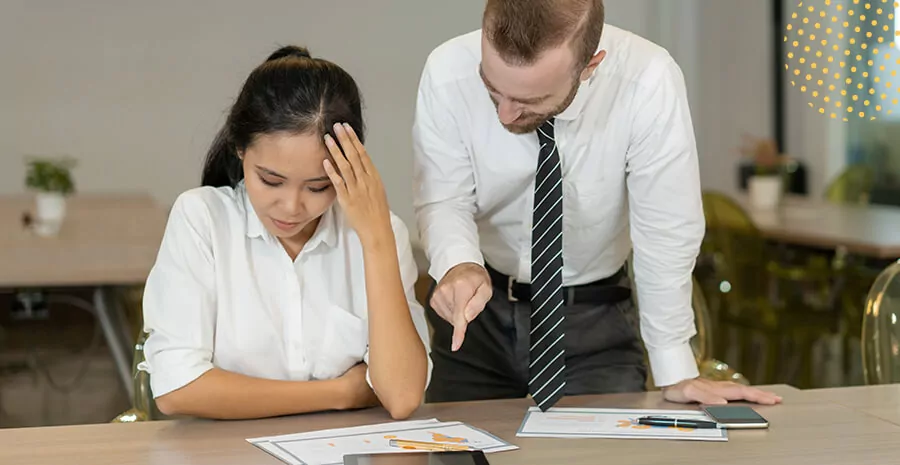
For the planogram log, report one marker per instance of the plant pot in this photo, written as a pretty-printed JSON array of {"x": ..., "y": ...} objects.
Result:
[
  {"x": 49, "y": 213},
  {"x": 765, "y": 191}
]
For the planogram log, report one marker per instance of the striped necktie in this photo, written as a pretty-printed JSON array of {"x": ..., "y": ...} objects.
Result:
[{"x": 547, "y": 379}]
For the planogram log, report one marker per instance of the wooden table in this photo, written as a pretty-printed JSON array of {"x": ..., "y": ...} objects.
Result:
[
  {"x": 879, "y": 401},
  {"x": 803, "y": 431},
  {"x": 106, "y": 240},
  {"x": 872, "y": 231}
]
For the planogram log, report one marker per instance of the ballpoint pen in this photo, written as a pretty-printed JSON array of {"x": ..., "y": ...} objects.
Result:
[
  {"x": 677, "y": 422},
  {"x": 430, "y": 446}
]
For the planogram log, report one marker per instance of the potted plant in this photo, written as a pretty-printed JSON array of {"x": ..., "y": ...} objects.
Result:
[
  {"x": 766, "y": 185},
  {"x": 51, "y": 179}
]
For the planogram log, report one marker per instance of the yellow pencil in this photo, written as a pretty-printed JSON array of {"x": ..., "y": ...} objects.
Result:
[{"x": 429, "y": 446}]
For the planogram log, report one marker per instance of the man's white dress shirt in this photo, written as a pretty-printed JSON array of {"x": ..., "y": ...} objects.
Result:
[
  {"x": 224, "y": 293},
  {"x": 630, "y": 178}
]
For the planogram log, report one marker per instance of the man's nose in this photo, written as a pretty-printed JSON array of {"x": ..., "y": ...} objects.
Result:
[{"x": 508, "y": 111}]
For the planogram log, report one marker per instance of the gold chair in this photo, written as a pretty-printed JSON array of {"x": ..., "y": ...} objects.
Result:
[
  {"x": 853, "y": 185},
  {"x": 702, "y": 342},
  {"x": 755, "y": 294},
  {"x": 880, "y": 330},
  {"x": 143, "y": 407}
]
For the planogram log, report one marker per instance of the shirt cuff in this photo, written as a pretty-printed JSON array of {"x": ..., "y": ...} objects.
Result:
[
  {"x": 673, "y": 365},
  {"x": 444, "y": 261},
  {"x": 173, "y": 370}
]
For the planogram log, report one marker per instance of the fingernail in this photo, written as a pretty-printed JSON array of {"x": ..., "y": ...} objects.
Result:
[
  {"x": 348, "y": 127},
  {"x": 328, "y": 139},
  {"x": 337, "y": 126}
]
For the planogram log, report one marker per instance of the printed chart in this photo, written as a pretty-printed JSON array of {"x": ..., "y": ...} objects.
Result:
[
  {"x": 612, "y": 424},
  {"x": 329, "y": 447}
]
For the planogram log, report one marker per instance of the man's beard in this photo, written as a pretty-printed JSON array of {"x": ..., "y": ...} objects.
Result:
[{"x": 529, "y": 122}]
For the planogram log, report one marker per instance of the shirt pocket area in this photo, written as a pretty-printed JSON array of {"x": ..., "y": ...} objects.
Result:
[{"x": 344, "y": 345}]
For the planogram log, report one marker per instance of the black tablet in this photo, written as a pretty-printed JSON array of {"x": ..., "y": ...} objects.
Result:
[{"x": 418, "y": 458}]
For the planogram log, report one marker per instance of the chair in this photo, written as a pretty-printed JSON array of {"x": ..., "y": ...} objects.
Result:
[
  {"x": 880, "y": 330},
  {"x": 702, "y": 342},
  {"x": 853, "y": 185},
  {"x": 754, "y": 293},
  {"x": 143, "y": 407}
]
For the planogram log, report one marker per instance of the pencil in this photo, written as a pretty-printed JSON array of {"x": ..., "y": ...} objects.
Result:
[{"x": 430, "y": 446}]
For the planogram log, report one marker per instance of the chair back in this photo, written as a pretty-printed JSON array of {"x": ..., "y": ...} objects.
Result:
[
  {"x": 702, "y": 342},
  {"x": 734, "y": 256},
  {"x": 881, "y": 329},
  {"x": 143, "y": 397},
  {"x": 853, "y": 185}
]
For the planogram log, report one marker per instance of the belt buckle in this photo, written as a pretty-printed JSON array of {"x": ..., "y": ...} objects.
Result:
[{"x": 509, "y": 289}]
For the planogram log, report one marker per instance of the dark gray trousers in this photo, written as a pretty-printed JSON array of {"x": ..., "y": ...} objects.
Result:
[{"x": 603, "y": 351}]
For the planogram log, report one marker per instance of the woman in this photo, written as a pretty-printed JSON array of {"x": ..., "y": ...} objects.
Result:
[{"x": 268, "y": 297}]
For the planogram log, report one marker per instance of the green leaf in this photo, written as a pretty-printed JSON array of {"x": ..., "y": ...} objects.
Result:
[{"x": 50, "y": 175}]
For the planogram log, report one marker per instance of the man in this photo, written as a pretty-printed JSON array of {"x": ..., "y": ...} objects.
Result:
[{"x": 545, "y": 145}]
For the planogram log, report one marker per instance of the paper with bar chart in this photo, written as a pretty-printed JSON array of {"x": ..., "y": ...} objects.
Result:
[
  {"x": 612, "y": 424},
  {"x": 328, "y": 447}
]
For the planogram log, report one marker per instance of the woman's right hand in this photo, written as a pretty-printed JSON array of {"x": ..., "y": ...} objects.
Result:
[{"x": 357, "y": 393}]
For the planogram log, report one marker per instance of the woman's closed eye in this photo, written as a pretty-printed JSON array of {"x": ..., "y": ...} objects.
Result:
[
  {"x": 319, "y": 189},
  {"x": 270, "y": 183}
]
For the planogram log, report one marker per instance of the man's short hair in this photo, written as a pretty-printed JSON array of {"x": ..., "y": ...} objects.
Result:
[{"x": 520, "y": 30}]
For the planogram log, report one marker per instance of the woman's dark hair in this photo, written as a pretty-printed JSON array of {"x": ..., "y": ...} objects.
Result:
[{"x": 291, "y": 92}]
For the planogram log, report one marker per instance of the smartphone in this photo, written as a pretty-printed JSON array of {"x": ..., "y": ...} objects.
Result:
[
  {"x": 419, "y": 458},
  {"x": 736, "y": 417}
]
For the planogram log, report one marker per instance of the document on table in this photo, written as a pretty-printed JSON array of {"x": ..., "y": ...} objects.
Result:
[
  {"x": 612, "y": 424},
  {"x": 328, "y": 447}
]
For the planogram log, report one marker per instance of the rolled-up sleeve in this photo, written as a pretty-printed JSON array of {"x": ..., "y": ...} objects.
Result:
[
  {"x": 180, "y": 300},
  {"x": 667, "y": 223},
  {"x": 443, "y": 182}
]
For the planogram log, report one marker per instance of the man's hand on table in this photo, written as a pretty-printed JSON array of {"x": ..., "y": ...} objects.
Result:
[{"x": 709, "y": 392}]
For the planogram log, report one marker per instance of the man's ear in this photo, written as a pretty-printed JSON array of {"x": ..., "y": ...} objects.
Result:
[{"x": 592, "y": 65}]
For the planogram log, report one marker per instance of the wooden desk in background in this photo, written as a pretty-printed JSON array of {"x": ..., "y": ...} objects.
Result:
[
  {"x": 803, "y": 431},
  {"x": 872, "y": 231},
  {"x": 106, "y": 240}
]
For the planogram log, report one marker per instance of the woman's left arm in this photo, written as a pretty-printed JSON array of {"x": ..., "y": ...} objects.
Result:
[{"x": 398, "y": 361}]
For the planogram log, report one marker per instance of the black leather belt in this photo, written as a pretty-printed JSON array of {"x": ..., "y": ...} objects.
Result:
[{"x": 604, "y": 291}]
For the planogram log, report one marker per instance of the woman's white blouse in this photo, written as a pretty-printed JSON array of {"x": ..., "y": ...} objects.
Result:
[{"x": 224, "y": 293}]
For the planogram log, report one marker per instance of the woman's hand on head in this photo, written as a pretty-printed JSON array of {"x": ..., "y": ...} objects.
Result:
[{"x": 360, "y": 191}]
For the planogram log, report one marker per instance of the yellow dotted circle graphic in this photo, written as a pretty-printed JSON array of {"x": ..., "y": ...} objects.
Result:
[{"x": 843, "y": 56}]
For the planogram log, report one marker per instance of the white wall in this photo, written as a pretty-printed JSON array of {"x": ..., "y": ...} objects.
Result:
[
  {"x": 725, "y": 49},
  {"x": 136, "y": 90}
]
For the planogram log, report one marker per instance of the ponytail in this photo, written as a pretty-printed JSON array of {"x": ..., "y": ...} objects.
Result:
[{"x": 222, "y": 167}]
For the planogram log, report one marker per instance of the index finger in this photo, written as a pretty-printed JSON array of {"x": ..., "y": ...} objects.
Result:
[
  {"x": 459, "y": 329},
  {"x": 342, "y": 131},
  {"x": 733, "y": 391},
  {"x": 759, "y": 396},
  {"x": 361, "y": 150}
]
